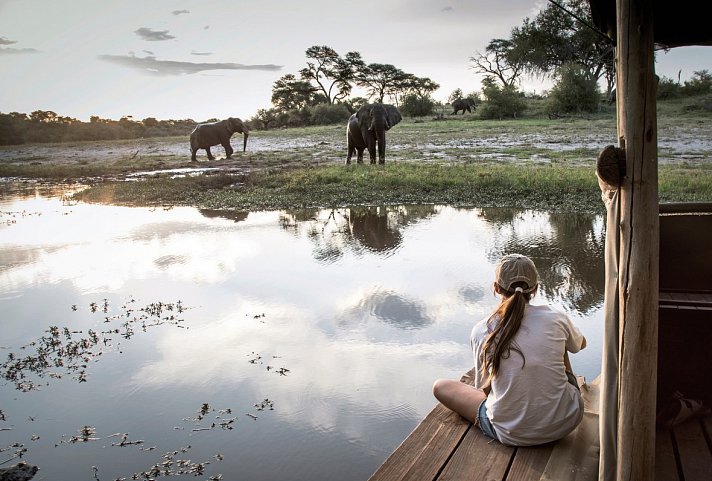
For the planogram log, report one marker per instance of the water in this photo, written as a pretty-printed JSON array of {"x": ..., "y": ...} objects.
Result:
[{"x": 313, "y": 337}]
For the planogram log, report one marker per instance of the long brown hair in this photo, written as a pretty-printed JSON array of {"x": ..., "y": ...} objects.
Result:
[{"x": 503, "y": 324}]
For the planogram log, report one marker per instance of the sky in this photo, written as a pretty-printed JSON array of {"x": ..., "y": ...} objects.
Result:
[{"x": 196, "y": 59}]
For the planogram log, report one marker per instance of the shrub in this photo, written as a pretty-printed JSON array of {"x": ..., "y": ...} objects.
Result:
[
  {"x": 416, "y": 106},
  {"x": 326, "y": 114},
  {"x": 667, "y": 89},
  {"x": 576, "y": 91},
  {"x": 500, "y": 102},
  {"x": 699, "y": 84}
]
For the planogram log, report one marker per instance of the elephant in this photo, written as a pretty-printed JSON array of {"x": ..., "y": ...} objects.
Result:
[
  {"x": 367, "y": 127},
  {"x": 217, "y": 133},
  {"x": 462, "y": 104}
]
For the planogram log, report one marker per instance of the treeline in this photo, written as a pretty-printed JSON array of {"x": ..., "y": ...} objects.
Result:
[
  {"x": 321, "y": 92},
  {"x": 46, "y": 126},
  {"x": 554, "y": 45}
]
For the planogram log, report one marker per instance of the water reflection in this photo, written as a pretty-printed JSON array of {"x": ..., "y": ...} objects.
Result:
[
  {"x": 391, "y": 308},
  {"x": 374, "y": 229},
  {"x": 340, "y": 318},
  {"x": 567, "y": 250}
]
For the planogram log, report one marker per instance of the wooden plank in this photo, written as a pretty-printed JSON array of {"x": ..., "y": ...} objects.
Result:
[
  {"x": 425, "y": 451},
  {"x": 665, "y": 463},
  {"x": 695, "y": 456},
  {"x": 576, "y": 456},
  {"x": 478, "y": 458},
  {"x": 529, "y": 463}
]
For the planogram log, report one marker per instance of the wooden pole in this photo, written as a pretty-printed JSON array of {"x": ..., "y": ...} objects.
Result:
[{"x": 640, "y": 238}]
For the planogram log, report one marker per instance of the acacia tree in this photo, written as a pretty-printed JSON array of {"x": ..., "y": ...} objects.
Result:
[
  {"x": 555, "y": 39},
  {"x": 332, "y": 73},
  {"x": 381, "y": 79},
  {"x": 289, "y": 93},
  {"x": 498, "y": 62}
]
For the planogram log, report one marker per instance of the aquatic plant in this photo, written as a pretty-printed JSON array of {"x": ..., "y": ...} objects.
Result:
[{"x": 63, "y": 351}]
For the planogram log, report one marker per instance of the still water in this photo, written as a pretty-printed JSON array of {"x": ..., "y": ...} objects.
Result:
[{"x": 257, "y": 345}]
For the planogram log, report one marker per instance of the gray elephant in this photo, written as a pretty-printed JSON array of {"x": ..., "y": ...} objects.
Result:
[
  {"x": 217, "y": 133},
  {"x": 462, "y": 104},
  {"x": 368, "y": 127}
]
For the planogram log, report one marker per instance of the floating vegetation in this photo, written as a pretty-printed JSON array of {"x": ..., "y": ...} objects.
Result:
[
  {"x": 18, "y": 450},
  {"x": 84, "y": 435},
  {"x": 171, "y": 465},
  {"x": 265, "y": 404},
  {"x": 222, "y": 420},
  {"x": 63, "y": 351},
  {"x": 125, "y": 441}
]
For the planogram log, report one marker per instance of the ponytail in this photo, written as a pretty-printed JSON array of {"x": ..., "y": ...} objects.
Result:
[{"x": 503, "y": 325}]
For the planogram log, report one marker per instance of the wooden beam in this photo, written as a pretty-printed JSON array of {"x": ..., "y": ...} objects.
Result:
[{"x": 639, "y": 248}]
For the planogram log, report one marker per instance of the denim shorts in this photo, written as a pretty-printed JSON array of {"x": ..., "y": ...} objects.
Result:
[
  {"x": 486, "y": 425},
  {"x": 484, "y": 422}
]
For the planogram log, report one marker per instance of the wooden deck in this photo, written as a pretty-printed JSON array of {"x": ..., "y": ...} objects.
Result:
[
  {"x": 685, "y": 452},
  {"x": 446, "y": 447}
]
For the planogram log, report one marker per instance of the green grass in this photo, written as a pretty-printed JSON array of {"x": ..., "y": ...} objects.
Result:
[
  {"x": 529, "y": 162},
  {"x": 548, "y": 187}
]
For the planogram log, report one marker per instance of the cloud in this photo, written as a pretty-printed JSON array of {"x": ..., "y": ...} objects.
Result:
[
  {"x": 193, "y": 52},
  {"x": 148, "y": 52},
  {"x": 169, "y": 67},
  {"x": 178, "y": 12},
  {"x": 153, "y": 35},
  {"x": 11, "y": 51},
  {"x": 447, "y": 9}
]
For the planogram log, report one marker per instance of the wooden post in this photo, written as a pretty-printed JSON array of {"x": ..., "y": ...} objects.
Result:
[{"x": 640, "y": 238}]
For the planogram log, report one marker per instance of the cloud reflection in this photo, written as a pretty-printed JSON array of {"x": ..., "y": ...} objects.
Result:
[{"x": 389, "y": 307}]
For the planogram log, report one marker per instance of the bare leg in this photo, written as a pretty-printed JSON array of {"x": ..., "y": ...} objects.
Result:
[{"x": 459, "y": 397}]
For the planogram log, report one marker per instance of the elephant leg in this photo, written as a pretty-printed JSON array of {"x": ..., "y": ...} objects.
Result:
[
  {"x": 350, "y": 149},
  {"x": 228, "y": 150},
  {"x": 210, "y": 154},
  {"x": 192, "y": 154},
  {"x": 359, "y": 158},
  {"x": 371, "y": 144}
]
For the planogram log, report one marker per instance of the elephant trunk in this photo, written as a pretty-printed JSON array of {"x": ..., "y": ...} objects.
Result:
[
  {"x": 244, "y": 141},
  {"x": 379, "y": 129}
]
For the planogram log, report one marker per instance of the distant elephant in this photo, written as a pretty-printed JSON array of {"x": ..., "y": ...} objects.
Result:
[
  {"x": 462, "y": 104},
  {"x": 367, "y": 127},
  {"x": 217, "y": 133}
]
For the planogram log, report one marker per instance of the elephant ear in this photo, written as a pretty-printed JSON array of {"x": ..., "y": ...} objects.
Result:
[{"x": 393, "y": 115}]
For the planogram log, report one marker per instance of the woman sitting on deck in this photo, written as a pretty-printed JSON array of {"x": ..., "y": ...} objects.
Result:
[{"x": 524, "y": 392}]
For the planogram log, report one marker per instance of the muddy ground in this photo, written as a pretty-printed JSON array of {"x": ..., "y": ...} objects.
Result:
[{"x": 563, "y": 141}]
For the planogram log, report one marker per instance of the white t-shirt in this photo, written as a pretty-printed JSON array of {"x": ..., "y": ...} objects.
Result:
[{"x": 532, "y": 402}]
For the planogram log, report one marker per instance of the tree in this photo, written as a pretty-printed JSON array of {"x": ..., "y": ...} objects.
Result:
[
  {"x": 382, "y": 79},
  {"x": 455, "y": 95},
  {"x": 700, "y": 83},
  {"x": 289, "y": 93},
  {"x": 422, "y": 87},
  {"x": 332, "y": 74},
  {"x": 498, "y": 62},
  {"x": 555, "y": 38},
  {"x": 414, "y": 106},
  {"x": 500, "y": 102},
  {"x": 576, "y": 91}
]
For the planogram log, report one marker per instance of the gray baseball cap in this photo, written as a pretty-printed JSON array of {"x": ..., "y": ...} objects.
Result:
[{"x": 516, "y": 268}]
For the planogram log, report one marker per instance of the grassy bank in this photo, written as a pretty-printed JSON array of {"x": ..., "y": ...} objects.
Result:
[
  {"x": 539, "y": 187},
  {"x": 531, "y": 162}
]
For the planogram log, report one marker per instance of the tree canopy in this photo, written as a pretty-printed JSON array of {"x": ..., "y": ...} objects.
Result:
[{"x": 332, "y": 73}]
